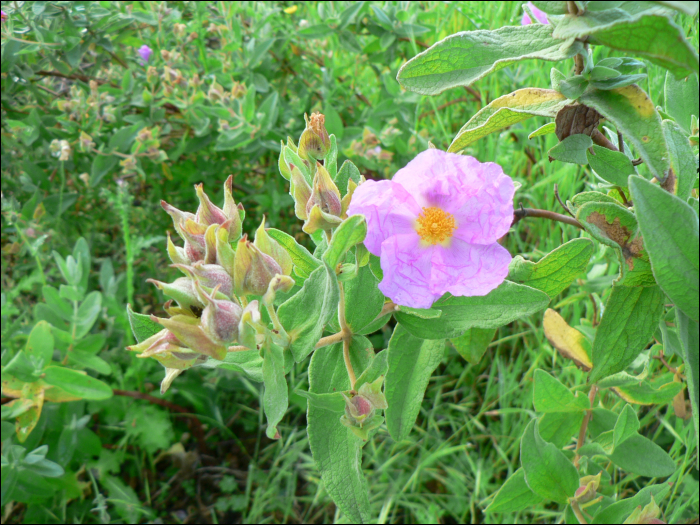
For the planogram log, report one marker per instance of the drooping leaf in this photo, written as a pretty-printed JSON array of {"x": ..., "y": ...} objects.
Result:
[
  {"x": 555, "y": 271},
  {"x": 306, "y": 313},
  {"x": 649, "y": 34},
  {"x": 613, "y": 166},
  {"x": 275, "y": 398},
  {"x": 508, "y": 110},
  {"x": 464, "y": 58},
  {"x": 473, "y": 343},
  {"x": 514, "y": 494},
  {"x": 570, "y": 343},
  {"x": 630, "y": 318},
  {"x": 411, "y": 363},
  {"x": 635, "y": 115},
  {"x": 548, "y": 472},
  {"x": 335, "y": 449},
  {"x": 670, "y": 230},
  {"x": 458, "y": 314}
]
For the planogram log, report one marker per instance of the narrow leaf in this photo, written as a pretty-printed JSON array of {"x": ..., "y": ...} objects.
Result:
[{"x": 275, "y": 399}]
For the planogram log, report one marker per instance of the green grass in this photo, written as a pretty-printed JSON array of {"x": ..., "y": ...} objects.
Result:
[{"x": 466, "y": 440}]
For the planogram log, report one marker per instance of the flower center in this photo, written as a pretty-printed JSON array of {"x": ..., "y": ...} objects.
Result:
[{"x": 435, "y": 225}]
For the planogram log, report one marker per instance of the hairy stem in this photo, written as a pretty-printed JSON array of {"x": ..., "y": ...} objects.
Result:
[
  {"x": 578, "y": 512},
  {"x": 347, "y": 333},
  {"x": 584, "y": 426},
  {"x": 330, "y": 340},
  {"x": 348, "y": 364},
  {"x": 388, "y": 308},
  {"x": 543, "y": 214}
]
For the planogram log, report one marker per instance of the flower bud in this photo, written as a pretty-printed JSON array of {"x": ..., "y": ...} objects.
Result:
[
  {"x": 177, "y": 255},
  {"x": 190, "y": 332},
  {"x": 193, "y": 234},
  {"x": 216, "y": 92},
  {"x": 179, "y": 30},
  {"x": 282, "y": 163},
  {"x": 145, "y": 53},
  {"x": 151, "y": 75},
  {"x": 325, "y": 193},
  {"x": 247, "y": 326},
  {"x": 232, "y": 212},
  {"x": 649, "y": 514},
  {"x": 165, "y": 348},
  {"x": 182, "y": 290},
  {"x": 238, "y": 90},
  {"x": 252, "y": 269},
  {"x": 170, "y": 375},
  {"x": 300, "y": 191},
  {"x": 314, "y": 142},
  {"x": 208, "y": 213},
  {"x": 278, "y": 282},
  {"x": 85, "y": 142},
  {"x": 225, "y": 256},
  {"x": 220, "y": 318},
  {"x": 346, "y": 200},
  {"x": 271, "y": 247},
  {"x": 360, "y": 414},
  {"x": 209, "y": 275},
  {"x": 319, "y": 220},
  {"x": 210, "y": 244},
  {"x": 588, "y": 488}
]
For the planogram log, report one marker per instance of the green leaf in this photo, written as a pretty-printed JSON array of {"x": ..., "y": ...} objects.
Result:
[
  {"x": 603, "y": 73},
  {"x": 619, "y": 511},
  {"x": 641, "y": 456},
  {"x": 687, "y": 8},
  {"x": 363, "y": 300},
  {"x": 275, "y": 399},
  {"x": 464, "y": 58},
  {"x": 612, "y": 166},
  {"x": 547, "y": 129},
  {"x": 633, "y": 113},
  {"x": 630, "y": 318},
  {"x": 681, "y": 99},
  {"x": 333, "y": 401},
  {"x": 690, "y": 341},
  {"x": 683, "y": 161},
  {"x": 508, "y": 110},
  {"x": 348, "y": 171},
  {"x": 306, "y": 313},
  {"x": 141, "y": 325},
  {"x": 501, "y": 306},
  {"x": 411, "y": 363},
  {"x": 301, "y": 257},
  {"x": 670, "y": 230},
  {"x": 618, "y": 82},
  {"x": 87, "y": 314},
  {"x": 247, "y": 362},
  {"x": 617, "y": 227},
  {"x": 549, "y": 395},
  {"x": 40, "y": 343},
  {"x": 573, "y": 87},
  {"x": 377, "y": 368},
  {"x": 376, "y": 267},
  {"x": 77, "y": 383},
  {"x": 626, "y": 426},
  {"x": 572, "y": 149},
  {"x": 552, "y": 8},
  {"x": 473, "y": 343},
  {"x": 555, "y": 271},
  {"x": 351, "y": 231},
  {"x": 514, "y": 494},
  {"x": 558, "y": 428},
  {"x": 101, "y": 166},
  {"x": 335, "y": 449},
  {"x": 620, "y": 30},
  {"x": 548, "y": 472}
]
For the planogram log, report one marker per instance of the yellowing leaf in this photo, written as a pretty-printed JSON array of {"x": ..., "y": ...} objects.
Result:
[
  {"x": 291, "y": 9},
  {"x": 508, "y": 110},
  {"x": 570, "y": 343}
]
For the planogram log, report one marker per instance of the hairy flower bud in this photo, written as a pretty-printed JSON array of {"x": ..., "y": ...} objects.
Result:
[
  {"x": 182, "y": 290},
  {"x": 220, "y": 318},
  {"x": 253, "y": 270},
  {"x": 588, "y": 488},
  {"x": 300, "y": 191},
  {"x": 167, "y": 349},
  {"x": 314, "y": 142},
  {"x": 325, "y": 193},
  {"x": 360, "y": 414},
  {"x": 208, "y": 213},
  {"x": 232, "y": 212},
  {"x": 190, "y": 332},
  {"x": 209, "y": 275},
  {"x": 271, "y": 247},
  {"x": 649, "y": 514}
]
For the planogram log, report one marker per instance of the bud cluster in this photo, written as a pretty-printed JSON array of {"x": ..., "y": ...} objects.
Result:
[{"x": 221, "y": 269}]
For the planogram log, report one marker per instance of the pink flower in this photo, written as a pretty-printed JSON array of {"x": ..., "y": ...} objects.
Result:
[
  {"x": 435, "y": 227},
  {"x": 539, "y": 15},
  {"x": 145, "y": 53},
  {"x": 4, "y": 16}
]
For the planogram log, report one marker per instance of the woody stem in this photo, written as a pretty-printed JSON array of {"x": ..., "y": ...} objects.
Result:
[{"x": 543, "y": 214}]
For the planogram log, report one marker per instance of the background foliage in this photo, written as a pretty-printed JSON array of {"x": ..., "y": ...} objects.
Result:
[{"x": 230, "y": 81}]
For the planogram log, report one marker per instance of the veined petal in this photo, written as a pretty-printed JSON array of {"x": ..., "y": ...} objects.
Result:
[
  {"x": 389, "y": 209},
  {"x": 468, "y": 269},
  {"x": 407, "y": 271}
]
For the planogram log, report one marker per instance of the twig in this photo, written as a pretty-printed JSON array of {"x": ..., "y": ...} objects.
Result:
[
  {"x": 387, "y": 309},
  {"x": 661, "y": 358},
  {"x": 622, "y": 196},
  {"x": 474, "y": 93},
  {"x": 543, "y": 214},
  {"x": 620, "y": 142},
  {"x": 601, "y": 140},
  {"x": 556, "y": 194},
  {"x": 443, "y": 106},
  {"x": 637, "y": 162}
]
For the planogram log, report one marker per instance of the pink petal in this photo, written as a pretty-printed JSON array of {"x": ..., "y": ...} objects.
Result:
[
  {"x": 389, "y": 210},
  {"x": 465, "y": 269},
  {"x": 407, "y": 271}
]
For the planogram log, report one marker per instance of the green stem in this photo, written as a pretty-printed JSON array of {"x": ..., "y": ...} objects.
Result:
[
  {"x": 347, "y": 336},
  {"x": 277, "y": 324},
  {"x": 123, "y": 207},
  {"x": 34, "y": 253},
  {"x": 62, "y": 172}
]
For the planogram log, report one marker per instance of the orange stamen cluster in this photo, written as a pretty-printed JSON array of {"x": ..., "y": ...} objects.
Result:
[{"x": 435, "y": 226}]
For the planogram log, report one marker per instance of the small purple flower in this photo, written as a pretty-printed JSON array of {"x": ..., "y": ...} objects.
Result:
[
  {"x": 539, "y": 15},
  {"x": 145, "y": 53},
  {"x": 435, "y": 226},
  {"x": 4, "y": 16}
]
